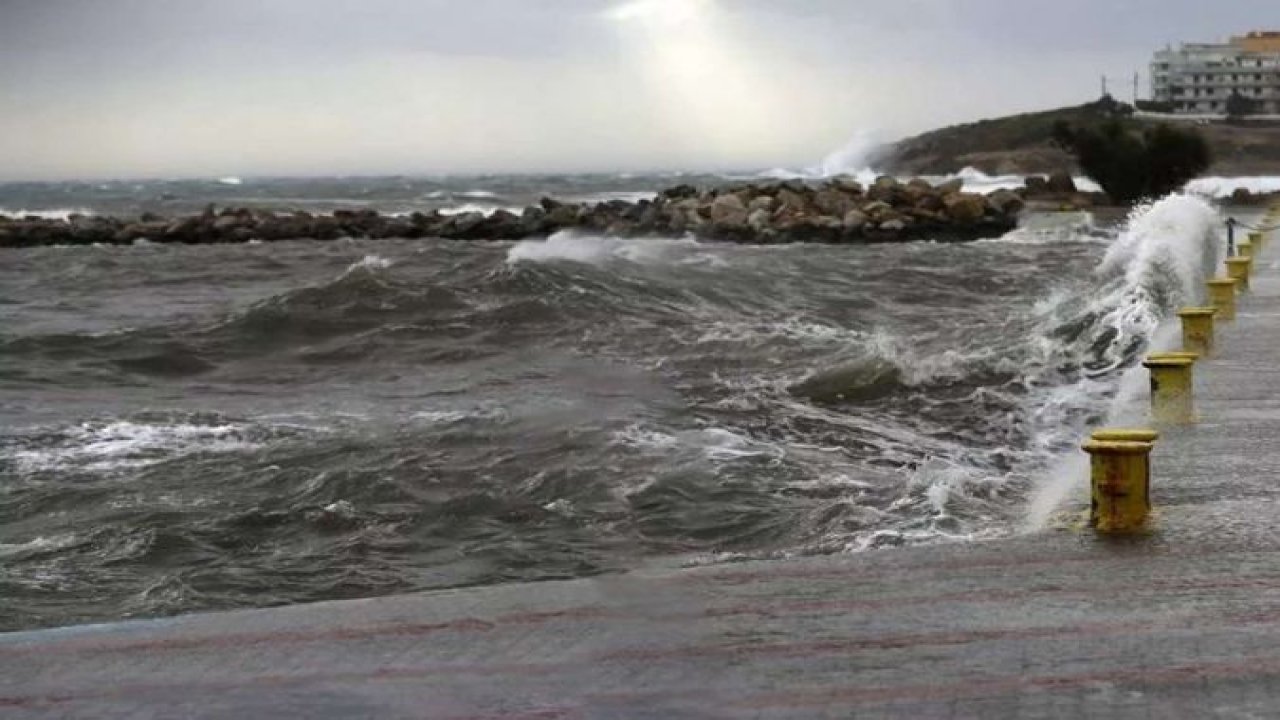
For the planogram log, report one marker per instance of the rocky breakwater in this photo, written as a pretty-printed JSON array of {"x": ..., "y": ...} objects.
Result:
[
  {"x": 1244, "y": 197},
  {"x": 835, "y": 211}
]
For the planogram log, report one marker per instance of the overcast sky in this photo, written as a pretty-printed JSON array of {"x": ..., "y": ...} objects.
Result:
[{"x": 169, "y": 88}]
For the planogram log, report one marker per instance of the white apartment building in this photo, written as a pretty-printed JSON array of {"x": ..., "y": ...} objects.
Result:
[{"x": 1199, "y": 78}]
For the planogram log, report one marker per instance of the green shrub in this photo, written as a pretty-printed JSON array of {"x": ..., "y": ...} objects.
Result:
[{"x": 1131, "y": 165}]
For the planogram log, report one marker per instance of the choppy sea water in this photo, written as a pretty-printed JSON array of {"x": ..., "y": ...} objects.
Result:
[
  {"x": 448, "y": 194},
  {"x": 194, "y": 428}
]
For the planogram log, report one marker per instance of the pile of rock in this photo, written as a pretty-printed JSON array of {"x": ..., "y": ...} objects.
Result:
[
  {"x": 1058, "y": 192},
  {"x": 840, "y": 210},
  {"x": 1244, "y": 197}
]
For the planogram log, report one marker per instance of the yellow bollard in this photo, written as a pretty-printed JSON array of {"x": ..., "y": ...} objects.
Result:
[
  {"x": 1245, "y": 250},
  {"x": 1128, "y": 436},
  {"x": 1222, "y": 295},
  {"x": 1238, "y": 269},
  {"x": 1197, "y": 330},
  {"x": 1257, "y": 239},
  {"x": 1172, "y": 400},
  {"x": 1120, "y": 476},
  {"x": 1125, "y": 435}
]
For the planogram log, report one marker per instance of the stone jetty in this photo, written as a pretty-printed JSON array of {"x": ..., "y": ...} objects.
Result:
[{"x": 840, "y": 210}]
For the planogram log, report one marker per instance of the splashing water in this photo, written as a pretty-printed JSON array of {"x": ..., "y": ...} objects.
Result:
[
  {"x": 1158, "y": 264},
  {"x": 595, "y": 249}
]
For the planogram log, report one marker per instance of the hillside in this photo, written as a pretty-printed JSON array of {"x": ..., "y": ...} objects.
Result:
[{"x": 1020, "y": 145}]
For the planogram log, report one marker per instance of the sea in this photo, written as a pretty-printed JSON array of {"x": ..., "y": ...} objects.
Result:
[{"x": 195, "y": 428}]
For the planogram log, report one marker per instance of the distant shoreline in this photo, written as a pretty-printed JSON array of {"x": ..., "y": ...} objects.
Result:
[{"x": 1022, "y": 145}]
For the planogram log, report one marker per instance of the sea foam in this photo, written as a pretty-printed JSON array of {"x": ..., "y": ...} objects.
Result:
[{"x": 597, "y": 250}]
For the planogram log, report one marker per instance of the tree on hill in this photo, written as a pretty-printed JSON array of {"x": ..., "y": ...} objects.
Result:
[{"x": 1131, "y": 165}]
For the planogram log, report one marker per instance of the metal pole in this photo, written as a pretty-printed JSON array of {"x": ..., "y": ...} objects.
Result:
[{"x": 1231, "y": 237}]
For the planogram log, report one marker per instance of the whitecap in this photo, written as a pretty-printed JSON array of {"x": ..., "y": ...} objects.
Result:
[
  {"x": 485, "y": 210},
  {"x": 46, "y": 214},
  {"x": 370, "y": 262},
  {"x": 1223, "y": 187},
  {"x": 128, "y": 445},
  {"x": 597, "y": 250}
]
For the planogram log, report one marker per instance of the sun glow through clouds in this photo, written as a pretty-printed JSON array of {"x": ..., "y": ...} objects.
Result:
[
  {"x": 703, "y": 82},
  {"x": 665, "y": 12}
]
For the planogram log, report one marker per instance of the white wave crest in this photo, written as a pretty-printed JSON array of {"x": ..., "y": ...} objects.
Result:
[
  {"x": 48, "y": 214},
  {"x": 631, "y": 196},
  {"x": 1221, "y": 187},
  {"x": 37, "y": 545},
  {"x": 369, "y": 262},
  {"x": 485, "y": 210},
  {"x": 1164, "y": 256},
  {"x": 597, "y": 250},
  {"x": 126, "y": 445},
  {"x": 1051, "y": 229},
  {"x": 717, "y": 445}
]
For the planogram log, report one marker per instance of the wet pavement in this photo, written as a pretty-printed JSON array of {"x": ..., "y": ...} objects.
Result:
[{"x": 1181, "y": 622}]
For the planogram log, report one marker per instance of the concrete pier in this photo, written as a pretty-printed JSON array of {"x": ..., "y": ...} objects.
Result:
[{"x": 1180, "y": 622}]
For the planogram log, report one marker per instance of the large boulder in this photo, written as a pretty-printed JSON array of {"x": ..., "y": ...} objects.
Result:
[
  {"x": 1061, "y": 183},
  {"x": 885, "y": 188},
  {"x": 1036, "y": 185},
  {"x": 759, "y": 220},
  {"x": 931, "y": 201},
  {"x": 965, "y": 208},
  {"x": 791, "y": 201},
  {"x": 150, "y": 230},
  {"x": 728, "y": 211},
  {"x": 651, "y": 219},
  {"x": 186, "y": 230},
  {"x": 877, "y": 210},
  {"x": 854, "y": 220},
  {"x": 680, "y": 192},
  {"x": 226, "y": 223},
  {"x": 762, "y": 202},
  {"x": 833, "y": 203},
  {"x": 561, "y": 215},
  {"x": 916, "y": 187},
  {"x": 504, "y": 225},
  {"x": 464, "y": 226},
  {"x": 815, "y": 229},
  {"x": 1005, "y": 202},
  {"x": 847, "y": 184},
  {"x": 954, "y": 185}
]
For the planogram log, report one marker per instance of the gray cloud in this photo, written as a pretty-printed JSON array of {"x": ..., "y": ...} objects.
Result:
[{"x": 195, "y": 87}]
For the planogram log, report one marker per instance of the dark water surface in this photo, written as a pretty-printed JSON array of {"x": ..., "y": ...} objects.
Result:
[{"x": 190, "y": 428}]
